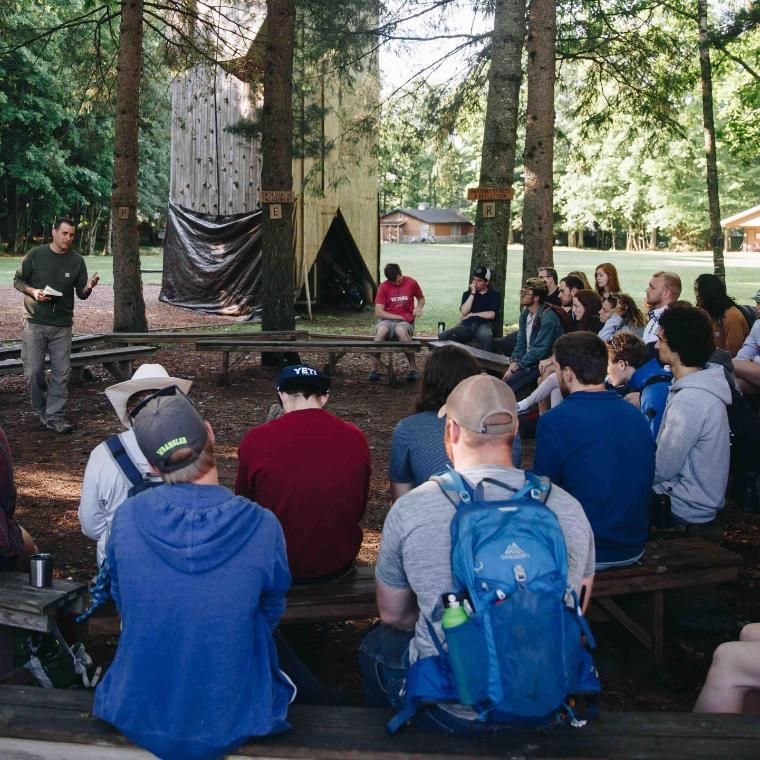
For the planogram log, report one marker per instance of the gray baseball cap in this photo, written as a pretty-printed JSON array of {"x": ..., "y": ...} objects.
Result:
[{"x": 166, "y": 422}]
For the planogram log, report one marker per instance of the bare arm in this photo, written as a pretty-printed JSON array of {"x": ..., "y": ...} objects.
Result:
[
  {"x": 397, "y": 606},
  {"x": 587, "y": 586},
  {"x": 383, "y": 314},
  {"x": 419, "y": 307}
]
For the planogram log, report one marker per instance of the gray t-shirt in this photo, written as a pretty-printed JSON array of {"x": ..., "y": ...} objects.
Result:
[{"x": 415, "y": 551}]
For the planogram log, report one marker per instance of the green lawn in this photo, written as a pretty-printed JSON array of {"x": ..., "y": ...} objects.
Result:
[
  {"x": 443, "y": 271},
  {"x": 150, "y": 258}
]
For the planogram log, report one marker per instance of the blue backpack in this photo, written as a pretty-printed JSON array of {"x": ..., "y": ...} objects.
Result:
[{"x": 521, "y": 651}]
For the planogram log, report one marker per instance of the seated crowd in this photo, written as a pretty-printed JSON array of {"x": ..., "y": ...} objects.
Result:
[{"x": 633, "y": 420}]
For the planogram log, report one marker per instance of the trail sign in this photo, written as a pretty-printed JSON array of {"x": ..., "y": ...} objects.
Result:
[
  {"x": 490, "y": 193},
  {"x": 277, "y": 196}
]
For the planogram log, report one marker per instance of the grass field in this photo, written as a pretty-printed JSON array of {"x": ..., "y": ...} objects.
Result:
[{"x": 443, "y": 271}]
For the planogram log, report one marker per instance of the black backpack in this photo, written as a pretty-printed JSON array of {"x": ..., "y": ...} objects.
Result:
[{"x": 748, "y": 312}]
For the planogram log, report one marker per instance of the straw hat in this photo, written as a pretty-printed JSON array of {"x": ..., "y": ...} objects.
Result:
[{"x": 147, "y": 377}]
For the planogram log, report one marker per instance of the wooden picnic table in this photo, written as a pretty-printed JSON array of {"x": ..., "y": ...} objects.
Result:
[{"x": 335, "y": 348}]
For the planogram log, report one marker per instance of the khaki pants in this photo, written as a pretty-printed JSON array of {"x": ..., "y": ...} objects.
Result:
[{"x": 48, "y": 399}]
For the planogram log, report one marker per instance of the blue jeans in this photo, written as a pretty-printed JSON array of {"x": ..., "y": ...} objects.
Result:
[
  {"x": 384, "y": 663},
  {"x": 619, "y": 563},
  {"x": 469, "y": 330},
  {"x": 522, "y": 377}
]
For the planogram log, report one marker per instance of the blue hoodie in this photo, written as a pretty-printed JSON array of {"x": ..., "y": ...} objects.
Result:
[
  {"x": 650, "y": 380},
  {"x": 199, "y": 576}
]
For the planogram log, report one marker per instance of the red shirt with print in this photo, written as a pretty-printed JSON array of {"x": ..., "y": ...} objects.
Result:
[{"x": 399, "y": 299}]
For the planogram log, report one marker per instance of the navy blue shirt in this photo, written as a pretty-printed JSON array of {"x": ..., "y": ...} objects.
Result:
[
  {"x": 488, "y": 301},
  {"x": 417, "y": 450},
  {"x": 598, "y": 447}
]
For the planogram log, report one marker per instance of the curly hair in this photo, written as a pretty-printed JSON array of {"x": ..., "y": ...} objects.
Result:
[
  {"x": 689, "y": 334},
  {"x": 444, "y": 370},
  {"x": 628, "y": 348},
  {"x": 613, "y": 282},
  {"x": 629, "y": 310}
]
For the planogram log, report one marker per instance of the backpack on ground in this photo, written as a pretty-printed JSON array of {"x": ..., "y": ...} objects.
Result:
[
  {"x": 520, "y": 655},
  {"x": 128, "y": 467}
]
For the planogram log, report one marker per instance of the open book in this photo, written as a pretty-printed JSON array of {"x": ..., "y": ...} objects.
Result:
[{"x": 48, "y": 291}]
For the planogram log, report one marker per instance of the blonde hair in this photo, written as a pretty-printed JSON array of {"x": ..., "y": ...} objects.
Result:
[{"x": 672, "y": 282}]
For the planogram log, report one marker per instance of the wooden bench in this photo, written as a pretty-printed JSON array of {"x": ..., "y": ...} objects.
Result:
[
  {"x": 666, "y": 565},
  {"x": 78, "y": 342},
  {"x": 485, "y": 359},
  {"x": 174, "y": 336},
  {"x": 42, "y": 724},
  {"x": 118, "y": 361},
  {"x": 335, "y": 348}
]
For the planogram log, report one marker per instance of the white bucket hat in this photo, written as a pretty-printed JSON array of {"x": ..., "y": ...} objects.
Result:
[{"x": 147, "y": 377}]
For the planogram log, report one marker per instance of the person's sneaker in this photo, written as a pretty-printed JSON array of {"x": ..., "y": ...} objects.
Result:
[
  {"x": 413, "y": 376},
  {"x": 43, "y": 419},
  {"x": 374, "y": 376},
  {"x": 60, "y": 426}
]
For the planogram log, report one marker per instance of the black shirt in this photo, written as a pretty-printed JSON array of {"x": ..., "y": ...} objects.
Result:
[
  {"x": 488, "y": 301},
  {"x": 554, "y": 298}
]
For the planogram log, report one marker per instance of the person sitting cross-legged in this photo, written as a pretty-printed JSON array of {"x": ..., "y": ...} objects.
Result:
[
  {"x": 312, "y": 469},
  {"x": 598, "y": 448},
  {"x": 693, "y": 443},
  {"x": 480, "y": 304},
  {"x": 199, "y": 576},
  {"x": 414, "y": 563},
  {"x": 539, "y": 328}
]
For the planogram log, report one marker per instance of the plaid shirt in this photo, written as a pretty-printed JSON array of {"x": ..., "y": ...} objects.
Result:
[{"x": 11, "y": 541}]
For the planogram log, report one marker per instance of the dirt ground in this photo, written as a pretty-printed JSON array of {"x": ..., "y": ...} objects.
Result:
[{"x": 49, "y": 470}]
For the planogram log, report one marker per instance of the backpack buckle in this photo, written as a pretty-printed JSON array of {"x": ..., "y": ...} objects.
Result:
[{"x": 520, "y": 575}]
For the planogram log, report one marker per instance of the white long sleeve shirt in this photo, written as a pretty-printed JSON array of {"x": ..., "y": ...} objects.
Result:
[{"x": 105, "y": 487}]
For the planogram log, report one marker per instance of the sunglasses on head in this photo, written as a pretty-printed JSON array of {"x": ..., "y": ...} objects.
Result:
[{"x": 170, "y": 390}]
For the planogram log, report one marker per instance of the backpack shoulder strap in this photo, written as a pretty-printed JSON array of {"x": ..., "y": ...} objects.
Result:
[
  {"x": 656, "y": 379},
  {"x": 122, "y": 458},
  {"x": 538, "y": 486},
  {"x": 455, "y": 488}
]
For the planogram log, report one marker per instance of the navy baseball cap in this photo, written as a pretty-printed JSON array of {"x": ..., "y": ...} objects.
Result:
[
  {"x": 483, "y": 272},
  {"x": 165, "y": 422},
  {"x": 302, "y": 377}
]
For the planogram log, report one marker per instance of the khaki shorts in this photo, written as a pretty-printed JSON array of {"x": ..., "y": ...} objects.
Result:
[{"x": 393, "y": 325}]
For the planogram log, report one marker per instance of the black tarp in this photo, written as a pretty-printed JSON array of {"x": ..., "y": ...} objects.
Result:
[{"x": 212, "y": 263}]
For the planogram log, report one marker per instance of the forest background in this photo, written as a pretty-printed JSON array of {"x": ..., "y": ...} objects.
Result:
[{"x": 629, "y": 159}]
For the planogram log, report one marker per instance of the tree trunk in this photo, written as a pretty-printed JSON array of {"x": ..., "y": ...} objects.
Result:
[
  {"x": 277, "y": 168},
  {"x": 497, "y": 162},
  {"x": 128, "y": 302},
  {"x": 538, "y": 209},
  {"x": 713, "y": 196},
  {"x": 653, "y": 239},
  {"x": 12, "y": 200}
]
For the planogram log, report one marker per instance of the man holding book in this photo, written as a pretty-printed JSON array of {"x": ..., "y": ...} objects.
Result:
[{"x": 48, "y": 276}]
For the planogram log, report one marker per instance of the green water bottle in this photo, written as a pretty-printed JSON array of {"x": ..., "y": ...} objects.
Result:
[{"x": 454, "y": 616}]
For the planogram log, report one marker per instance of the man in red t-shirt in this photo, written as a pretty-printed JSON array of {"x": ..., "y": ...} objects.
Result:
[
  {"x": 312, "y": 470},
  {"x": 396, "y": 309}
]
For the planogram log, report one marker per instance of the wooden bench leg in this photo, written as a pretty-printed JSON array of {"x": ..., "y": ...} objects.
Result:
[
  {"x": 622, "y": 617},
  {"x": 120, "y": 370},
  {"x": 658, "y": 622},
  {"x": 224, "y": 378},
  {"x": 391, "y": 371}
]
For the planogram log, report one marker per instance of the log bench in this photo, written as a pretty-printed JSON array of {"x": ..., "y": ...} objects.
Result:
[
  {"x": 118, "y": 361},
  {"x": 42, "y": 724},
  {"x": 175, "y": 336},
  {"x": 335, "y": 348},
  {"x": 486, "y": 359}
]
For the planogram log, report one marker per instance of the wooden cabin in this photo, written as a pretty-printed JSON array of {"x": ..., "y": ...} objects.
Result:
[
  {"x": 749, "y": 222},
  {"x": 425, "y": 225}
]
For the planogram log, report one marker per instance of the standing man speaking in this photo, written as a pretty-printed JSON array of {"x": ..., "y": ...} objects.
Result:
[{"x": 48, "y": 276}]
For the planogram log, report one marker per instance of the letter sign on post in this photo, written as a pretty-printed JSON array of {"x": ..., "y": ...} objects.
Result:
[
  {"x": 275, "y": 211},
  {"x": 489, "y": 210}
]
